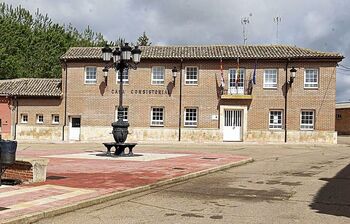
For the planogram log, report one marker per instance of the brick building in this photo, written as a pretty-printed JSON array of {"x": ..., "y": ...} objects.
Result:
[
  {"x": 31, "y": 109},
  {"x": 195, "y": 108},
  {"x": 342, "y": 122}
]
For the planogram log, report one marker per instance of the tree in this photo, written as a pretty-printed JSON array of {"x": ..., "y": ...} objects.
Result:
[
  {"x": 31, "y": 45},
  {"x": 143, "y": 40}
]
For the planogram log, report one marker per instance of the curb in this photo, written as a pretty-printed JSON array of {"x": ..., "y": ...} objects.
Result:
[{"x": 33, "y": 217}]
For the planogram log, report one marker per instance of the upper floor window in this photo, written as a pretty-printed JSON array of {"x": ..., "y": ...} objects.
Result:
[
  {"x": 338, "y": 116},
  {"x": 191, "y": 76},
  {"x": 270, "y": 78},
  {"x": 275, "y": 121},
  {"x": 125, "y": 113},
  {"x": 191, "y": 117},
  {"x": 158, "y": 75},
  {"x": 157, "y": 116},
  {"x": 55, "y": 119},
  {"x": 24, "y": 118},
  {"x": 125, "y": 76},
  {"x": 39, "y": 118},
  {"x": 90, "y": 75},
  {"x": 307, "y": 120},
  {"x": 311, "y": 78}
]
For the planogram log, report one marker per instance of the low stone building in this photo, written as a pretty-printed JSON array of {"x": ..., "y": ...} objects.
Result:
[
  {"x": 342, "y": 121},
  {"x": 251, "y": 99}
]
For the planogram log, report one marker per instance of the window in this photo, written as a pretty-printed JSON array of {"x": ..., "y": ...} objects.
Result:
[
  {"x": 311, "y": 78},
  {"x": 270, "y": 78},
  {"x": 338, "y": 116},
  {"x": 125, "y": 76},
  {"x": 55, "y": 119},
  {"x": 307, "y": 120},
  {"x": 275, "y": 119},
  {"x": 191, "y": 76},
  {"x": 90, "y": 75},
  {"x": 39, "y": 118},
  {"x": 24, "y": 118},
  {"x": 124, "y": 111},
  {"x": 158, "y": 75},
  {"x": 157, "y": 116},
  {"x": 191, "y": 117}
]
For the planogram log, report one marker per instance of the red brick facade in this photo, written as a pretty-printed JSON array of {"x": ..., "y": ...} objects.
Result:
[{"x": 5, "y": 117}]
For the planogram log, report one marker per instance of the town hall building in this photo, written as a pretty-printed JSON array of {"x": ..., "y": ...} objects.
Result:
[{"x": 222, "y": 93}]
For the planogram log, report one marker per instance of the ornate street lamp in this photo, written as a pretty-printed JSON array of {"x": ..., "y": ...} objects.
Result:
[{"x": 122, "y": 60}]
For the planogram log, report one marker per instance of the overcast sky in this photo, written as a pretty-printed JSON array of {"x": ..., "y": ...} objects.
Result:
[{"x": 317, "y": 24}]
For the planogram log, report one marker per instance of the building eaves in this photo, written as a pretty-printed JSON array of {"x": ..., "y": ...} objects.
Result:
[{"x": 211, "y": 52}]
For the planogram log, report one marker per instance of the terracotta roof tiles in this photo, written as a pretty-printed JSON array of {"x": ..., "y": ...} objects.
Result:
[{"x": 31, "y": 87}]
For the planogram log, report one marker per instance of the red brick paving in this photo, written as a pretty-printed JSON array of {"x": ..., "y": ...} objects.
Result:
[{"x": 102, "y": 177}]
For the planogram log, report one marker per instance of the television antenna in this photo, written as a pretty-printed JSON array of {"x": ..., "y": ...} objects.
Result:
[
  {"x": 277, "y": 20},
  {"x": 244, "y": 22}
]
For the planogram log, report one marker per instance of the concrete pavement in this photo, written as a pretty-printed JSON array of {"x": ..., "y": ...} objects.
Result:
[{"x": 285, "y": 184}]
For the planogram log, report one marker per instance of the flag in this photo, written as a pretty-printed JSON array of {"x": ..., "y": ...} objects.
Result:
[
  {"x": 237, "y": 73},
  {"x": 222, "y": 75},
  {"x": 254, "y": 73}
]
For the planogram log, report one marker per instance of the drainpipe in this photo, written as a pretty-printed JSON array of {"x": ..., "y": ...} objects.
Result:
[
  {"x": 285, "y": 102},
  {"x": 180, "y": 100},
  {"x": 16, "y": 119},
  {"x": 65, "y": 100}
]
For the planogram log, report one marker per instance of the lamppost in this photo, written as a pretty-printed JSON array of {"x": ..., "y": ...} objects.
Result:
[
  {"x": 174, "y": 71},
  {"x": 122, "y": 60},
  {"x": 288, "y": 84}
]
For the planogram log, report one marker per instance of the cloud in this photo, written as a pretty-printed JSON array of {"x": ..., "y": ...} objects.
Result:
[{"x": 320, "y": 25}]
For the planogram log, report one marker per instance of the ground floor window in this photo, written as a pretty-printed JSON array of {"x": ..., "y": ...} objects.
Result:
[
  {"x": 24, "y": 118},
  {"x": 157, "y": 116},
  {"x": 307, "y": 120},
  {"x": 191, "y": 116},
  {"x": 275, "y": 121},
  {"x": 55, "y": 119},
  {"x": 125, "y": 113},
  {"x": 39, "y": 118}
]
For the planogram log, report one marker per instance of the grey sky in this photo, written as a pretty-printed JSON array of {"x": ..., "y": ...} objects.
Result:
[{"x": 317, "y": 24}]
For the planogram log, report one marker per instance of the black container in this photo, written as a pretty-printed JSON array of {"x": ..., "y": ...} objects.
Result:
[{"x": 7, "y": 152}]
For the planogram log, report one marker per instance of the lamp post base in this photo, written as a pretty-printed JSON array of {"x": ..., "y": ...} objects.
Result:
[{"x": 120, "y": 130}]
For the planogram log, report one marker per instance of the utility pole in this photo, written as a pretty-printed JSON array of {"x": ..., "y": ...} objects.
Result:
[
  {"x": 277, "y": 20},
  {"x": 244, "y": 22}
]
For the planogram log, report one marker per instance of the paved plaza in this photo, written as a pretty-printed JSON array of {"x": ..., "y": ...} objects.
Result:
[
  {"x": 285, "y": 184},
  {"x": 80, "y": 175}
]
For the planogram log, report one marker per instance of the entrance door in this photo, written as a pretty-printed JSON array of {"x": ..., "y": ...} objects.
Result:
[
  {"x": 74, "y": 128},
  {"x": 232, "y": 125},
  {"x": 236, "y": 84}
]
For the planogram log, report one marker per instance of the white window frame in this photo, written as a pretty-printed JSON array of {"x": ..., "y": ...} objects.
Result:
[
  {"x": 38, "y": 118},
  {"x": 157, "y": 122},
  {"x": 125, "y": 77},
  {"x": 54, "y": 120},
  {"x": 307, "y": 127},
  {"x": 89, "y": 80},
  {"x": 191, "y": 81},
  {"x": 158, "y": 81},
  {"x": 270, "y": 85},
  {"x": 311, "y": 85},
  {"x": 273, "y": 125},
  {"x": 125, "y": 113},
  {"x": 23, "y": 121},
  {"x": 190, "y": 123}
]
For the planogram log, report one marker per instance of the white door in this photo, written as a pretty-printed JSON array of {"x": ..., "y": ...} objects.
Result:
[
  {"x": 74, "y": 128},
  {"x": 236, "y": 86},
  {"x": 232, "y": 125}
]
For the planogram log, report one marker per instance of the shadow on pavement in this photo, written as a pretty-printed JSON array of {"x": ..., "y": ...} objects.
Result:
[{"x": 334, "y": 197}]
